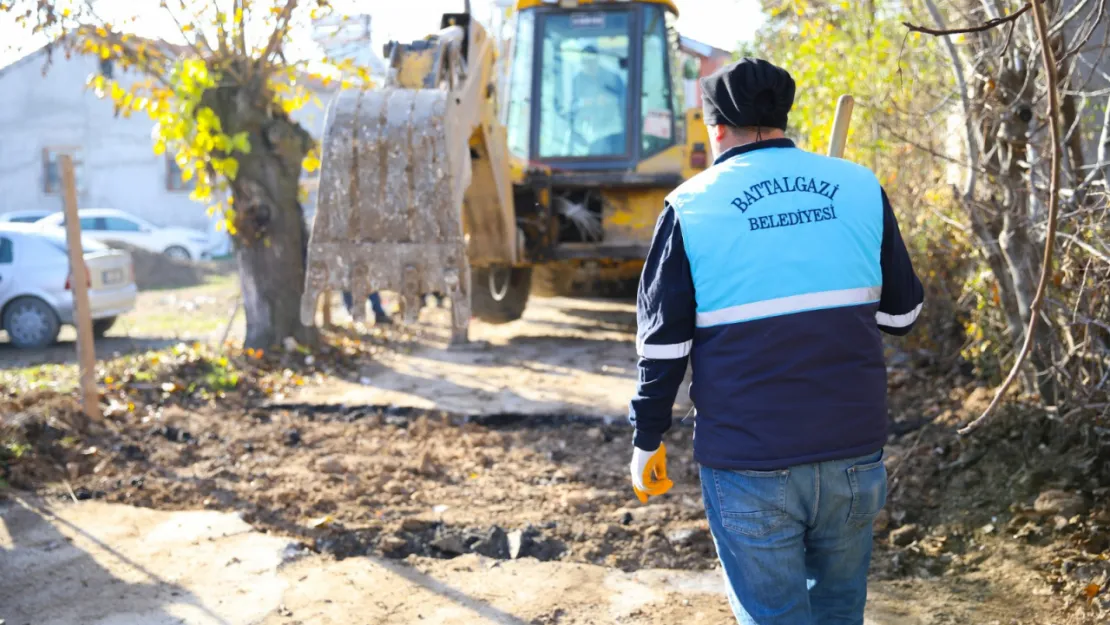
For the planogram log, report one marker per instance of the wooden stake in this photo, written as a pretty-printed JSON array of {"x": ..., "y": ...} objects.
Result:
[
  {"x": 843, "y": 119},
  {"x": 326, "y": 303},
  {"x": 79, "y": 282}
]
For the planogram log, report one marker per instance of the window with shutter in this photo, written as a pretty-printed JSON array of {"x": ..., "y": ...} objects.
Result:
[{"x": 52, "y": 171}]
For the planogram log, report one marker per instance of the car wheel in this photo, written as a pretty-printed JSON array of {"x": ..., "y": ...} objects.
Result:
[
  {"x": 177, "y": 252},
  {"x": 31, "y": 322},
  {"x": 101, "y": 326}
]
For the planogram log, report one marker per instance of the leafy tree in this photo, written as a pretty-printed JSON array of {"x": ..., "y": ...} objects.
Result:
[
  {"x": 861, "y": 48},
  {"x": 222, "y": 95},
  {"x": 959, "y": 131}
]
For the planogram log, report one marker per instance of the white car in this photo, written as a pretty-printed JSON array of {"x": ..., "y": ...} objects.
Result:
[
  {"x": 36, "y": 298},
  {"x": 108, "y": 224}
]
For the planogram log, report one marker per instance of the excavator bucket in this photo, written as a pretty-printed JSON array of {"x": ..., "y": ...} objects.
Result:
[{"x": 388, "y": 217}]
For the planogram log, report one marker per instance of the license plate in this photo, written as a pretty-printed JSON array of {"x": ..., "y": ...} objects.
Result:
[{"x": 112, "y": 276}]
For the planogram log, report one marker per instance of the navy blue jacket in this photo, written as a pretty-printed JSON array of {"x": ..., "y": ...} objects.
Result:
[{"x": 773, "y": 272}]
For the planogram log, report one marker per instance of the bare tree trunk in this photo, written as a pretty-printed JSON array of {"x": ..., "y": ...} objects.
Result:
[{"x": 272, "y": 239}]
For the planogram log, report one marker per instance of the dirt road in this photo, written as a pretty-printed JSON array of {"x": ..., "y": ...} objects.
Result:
[
  {"x": 565, "y": 357},
  {"x": 110, "y": 564},
  {"x": 424, "y": 485}
]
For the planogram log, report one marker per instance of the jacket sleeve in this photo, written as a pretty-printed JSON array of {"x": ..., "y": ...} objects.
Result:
[
  {"x": 665, "y": 312},
  {"x": 903, "y": 295}
]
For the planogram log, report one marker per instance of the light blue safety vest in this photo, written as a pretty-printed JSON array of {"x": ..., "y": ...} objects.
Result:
[{"x": 753, "y": 224}]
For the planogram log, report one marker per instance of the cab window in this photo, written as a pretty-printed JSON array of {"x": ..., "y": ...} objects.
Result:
[
  {"x": 584, "y": 89},
  {"x": 518, "y": 120},
  {"x": 657, "y": 103}
]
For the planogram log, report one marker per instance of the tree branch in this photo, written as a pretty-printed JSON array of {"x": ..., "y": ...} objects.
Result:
[
  {"x": 240, "y": 13},
  {"x": 1104, "y": 146},
  {"x": 279, "y": 31},
  {"x": 985, "y": 26},
  {"x": 1048, "y": 58},
  {"x": 970, "y": 137}
]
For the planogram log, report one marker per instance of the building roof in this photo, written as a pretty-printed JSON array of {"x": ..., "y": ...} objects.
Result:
[
  {"x": 701, "y": 49},
  {"x": 26, "y": 58},
  {"x": 527, "y": 4},
  {"x": 170, "y": 50}
]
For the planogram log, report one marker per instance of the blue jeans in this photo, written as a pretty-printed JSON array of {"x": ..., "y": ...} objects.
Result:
[
  {"x": 375, "y": 304},
  {"x": 795, "y": 544}
]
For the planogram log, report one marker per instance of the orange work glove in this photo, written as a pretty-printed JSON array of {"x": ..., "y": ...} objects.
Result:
[{"x": 649, "y": 472}]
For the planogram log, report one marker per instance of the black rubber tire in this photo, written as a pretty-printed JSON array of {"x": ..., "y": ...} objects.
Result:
[
  {"x": 38, "y": 313},
  {"x": 177, "y": 252},
  {"x": 101, "y": 326},
  {"x": 510, "y": 306}
]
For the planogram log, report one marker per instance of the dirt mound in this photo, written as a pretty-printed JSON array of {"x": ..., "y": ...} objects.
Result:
[
  {"x": 1032, "y": 484},
  {"x": 158, "y": 271},
  {"x": 409, "y": 482},
  {"x": 37, "y": 437}
]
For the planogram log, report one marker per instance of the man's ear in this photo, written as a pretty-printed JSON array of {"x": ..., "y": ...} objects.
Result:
[{"x": 718, "y": 132}]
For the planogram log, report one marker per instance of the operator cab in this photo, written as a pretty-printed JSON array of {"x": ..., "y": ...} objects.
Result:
[{"x": 593, "y": 86}]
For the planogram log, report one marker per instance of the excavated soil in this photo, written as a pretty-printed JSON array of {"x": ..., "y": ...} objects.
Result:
[{"x": 399, "y": 482}]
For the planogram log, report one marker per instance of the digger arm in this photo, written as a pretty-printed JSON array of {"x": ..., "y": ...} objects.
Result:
[{"x": 462, "y": 56}]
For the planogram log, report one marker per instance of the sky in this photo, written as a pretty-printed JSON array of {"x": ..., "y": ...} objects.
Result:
[{"x": 722, "y": 23}]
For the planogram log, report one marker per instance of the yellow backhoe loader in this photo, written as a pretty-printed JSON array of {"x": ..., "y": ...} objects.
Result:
[{"x": 466, "y": 170}]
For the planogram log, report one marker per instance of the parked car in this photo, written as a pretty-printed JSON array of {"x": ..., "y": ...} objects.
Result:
[
  {"x": 35, "y": 292},
  {"x": 23, "y": 217},
  {"x": 108, "y": 224}
]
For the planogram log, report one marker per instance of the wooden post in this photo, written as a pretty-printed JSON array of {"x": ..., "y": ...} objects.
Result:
[
  {"x": 79, "y": 282},
  {"x": 843, "y": 118},
  {"x": 326, "y": 303}
]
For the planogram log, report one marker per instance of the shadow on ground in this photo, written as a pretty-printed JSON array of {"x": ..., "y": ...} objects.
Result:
[
  {"x": 65, "y": 352},
  {"x": 35, "y": 556}
]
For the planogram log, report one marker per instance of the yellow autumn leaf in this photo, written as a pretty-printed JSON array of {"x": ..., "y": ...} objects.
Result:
[{"x": 311, "y": 162}]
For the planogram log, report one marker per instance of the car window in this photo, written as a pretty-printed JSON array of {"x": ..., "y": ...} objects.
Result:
[
  {"x": 25, "y": 219},
  {"x": 92, "y": 223},
  {"x": 5, "y": 251},
  {"x": 119, "y": 224}
]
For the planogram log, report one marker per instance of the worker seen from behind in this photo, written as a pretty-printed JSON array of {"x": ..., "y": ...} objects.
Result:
[{"x": 773, "y": 272}]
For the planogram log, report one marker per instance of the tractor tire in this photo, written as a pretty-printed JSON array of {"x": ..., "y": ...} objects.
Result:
[{"x": 502, "y": 299}]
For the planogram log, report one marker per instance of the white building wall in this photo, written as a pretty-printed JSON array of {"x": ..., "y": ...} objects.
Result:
[{"x": 119, "y": 168}]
